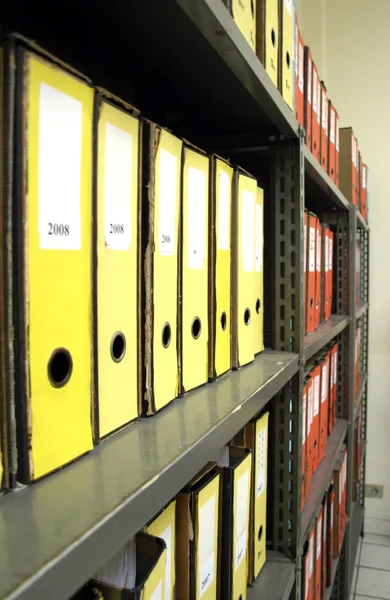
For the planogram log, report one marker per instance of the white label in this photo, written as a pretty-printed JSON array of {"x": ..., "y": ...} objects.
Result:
[
  {"x": 196, "y": 234},
  {"x": 354, "y": 151},
  {"x": 319, "y": 531},
  {"x": 364, "y": 177},
  {"x": 316, "y": 395},
  {"x": 312, "y": 249},
  {"x": 242, "y": 508},
  {"x": 167, "y": 188},
  {"x": 324, "y": 111},
  {"x": 157, "y": 594},
  {"x": 330, "y": 253},
  {"x": 223, "y": 211},
  {"x": 331, "y": 514},
  {"x": 311, "y": 544},
  {"x": 259, "y": 237},
  {"x": 315, "y": 97},
  {"x": 167, "y": 537},
  {"x": 319, "y": 102},
  {"x": 118, "y": 164},
  {"x": 335, "y": 368},
  {"x": 300, "y": 60},
  {"x": 337, "y": 134},
  {"x": 206, "y": 557},
  {"x": 309, "y": 79},
  {"x": 326, "y": 252},
  {"x": 59, "y": 170},
  {"x": 310, "y": 409},
  {"x": 248, "y": 230},
  {"x": 318, "y": 257},
  {"x": 296, "y": 43},
  {"x": 332, "y": 126},
  {"x": 261, "y": 466},
  {"x": 324, "y": 383},
  {"x": 304, "y": 247},
  {"x": 304, "y": 419},
  {"x": 288, "y": 5}
]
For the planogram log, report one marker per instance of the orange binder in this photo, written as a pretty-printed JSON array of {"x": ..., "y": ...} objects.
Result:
[
  {"x": 330, "y": 272},
  {"x": 308, "y": 95},
  {"x": 324, "y": 127},
  {"x": 318, "y": 557},
  {"x": 304, "y": 437},
  {"x": 325, "y": 270},
  {"x": 299, "y": 70},
  {"x": 308, "y": 564},
  {"x": 363, "y": 209},
  {"x": 335, "y": 379},
  {"x": 337, "y": 178},
  {"x": 316, "y": 116},
  {"x": 329, "y": 508},
  {"x": 316, "y": 378},
  {"x": 309, "y": 434},
  {"x": 311, "y": 273},
  {"x": 355, "y": 171},
  {"x": 324, "y": 409},
  {"x": 305, "y": 248},
  {"x": 318, "y": 310},
  {"x": 332, "y": 143},
  {"x": 324, "y": 542}
]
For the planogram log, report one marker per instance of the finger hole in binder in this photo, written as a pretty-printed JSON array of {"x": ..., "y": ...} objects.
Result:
[
  {"x": 118, "y": 347},
  {"x": 288, "y": 60},
  {"x": 247, "y": 316},
  {"x": 223, "y": 321},
  {"x": 260, "y": 534},
  {"x": 273, "y": 37},
  {"x": 60, "y": 367},
  {"x": 258, "y": 306},
  {"x": 196, "y": 328},
  {"x": 253, "y": 8},
  {"x": 166, "y": 335}
]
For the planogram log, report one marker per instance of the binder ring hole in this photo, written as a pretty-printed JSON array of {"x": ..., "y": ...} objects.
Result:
[
  {"x": 260, "y": 534},
  {"x": 166, "y": 335},
  {"x": 253, "y": 8},
  {"x": 273, "y": 37},
  {"x": 60, "y": 367},
  {"x": 223, "y": 321},
  {"x": 288, "y": 60},
  {"x": 118, "y": 347},
  {"x": 258, "y": 306},
  {"x": 196, "y": 328},
  {"x": 240, "y": 597},
  {"x": 311, "y": 301},
  {"x": 247, "y": 316}
]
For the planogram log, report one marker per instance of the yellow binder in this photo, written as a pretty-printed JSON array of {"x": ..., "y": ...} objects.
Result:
[
  {"x": 236, "y": 481},
  {"x": 197, "y": 537},
  {"x": 256, "y": 438},
  {"x": 243, "y": 268},
  {"x": 163, "y": 177},
  {"x": 53, "y": 206},
  {"x": 194, "y": 272},
  {"x": 258, "y": 313},
  {"x": 244, "y": 14},
  {"x": 117, "y": 266},
  {"x": 219, "y": 268},
  {"x": 267, "y": 36},
  {"x": 164, "y": 526},
  {"x": 287, "y": 51}
]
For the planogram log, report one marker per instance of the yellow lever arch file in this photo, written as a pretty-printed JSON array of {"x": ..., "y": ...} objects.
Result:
[
  {"x": 162, "y": 174},
  {"x": 243, "y": 268},
  {"x": 118, "y": 284},
  {"x": 287, "y": 51},
  {"x": 219, "y": 268},
  {"x": 244, "y": 15},
  {"x": 267, "y": 36},
  {"x": 194, "y": 271},
  {"x": 258, "y": 313},
  {"x": 53, "y": 238},
  {"x": 164, "y": 526}
]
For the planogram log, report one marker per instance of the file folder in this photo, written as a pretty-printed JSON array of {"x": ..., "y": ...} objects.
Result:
[
  {"x": 318, "y": 557},
  {"x": 310, "y": 437},
  {"x": 258, "y": 309},
  {"x": 244, "y": 15},
  {"x": 150, "y": 562},
  {"x": 337, "y": 150},
  {"x": 256, "y": 439},
  {"x": 316, "y": 116},
  {"x": 324, "y": 409},
  {"x": 335, "y": 379},
  {"x": 325, "y": 270},
  {"x": 221, "y": 177},
  {"x": 243, "y": 268},
  {"x": 330, "y": 275},
  {"x": 197, "y": 536},
  {"x": 329, "y": 508},
  {"x": 267, "y": 36},
  {"x": 287, "y": 80},
  {"x": 363, "y": 208},
  {"x": 236, "y": 483},
  {"x": 311, "y": 275},
  {"x": 194, "y": 270},
  {"x": 316, "y": 376},
  {"x": 318, "y": 275},
  {"x": 299, "y": 88},
  {"x": 118, "y": 223},
  {"x": 348, "y": 170},
  {"x": 332, "y": 142},
  {"x": 50, "y": 147},
  {"x": 308, "y": 99},
  {"x": 324, "y": 128},
  {"x": 163, "y": 526},
  {"x": 359, "y": 181},
  {"x": 324, "y": 542},
  {"x": 308, "y": 568},
  {"x": 304, "y": 444},
  {"x": 338, "y": 489},
  {"x": 161, "y": 199},
  {"x": 305, "y": 273}
]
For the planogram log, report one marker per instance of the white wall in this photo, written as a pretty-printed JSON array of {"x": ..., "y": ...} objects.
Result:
[{"x": 350, "y": 43}]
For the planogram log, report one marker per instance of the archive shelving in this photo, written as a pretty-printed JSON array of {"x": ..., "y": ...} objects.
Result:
[{"x": 186, "y": 65}]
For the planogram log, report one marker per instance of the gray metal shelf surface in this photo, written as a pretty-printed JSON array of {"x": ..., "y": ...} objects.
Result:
[
  {"x": 56, "y": 533},
  {"x": 321, "y": 478},
  {"x": 363, "y": 377},
  {"x": 324, "y": 333},
  {"x": 324, "y": 185},
  {"x": 361, "y": 309},
  {"x": 276, "y": 579}
]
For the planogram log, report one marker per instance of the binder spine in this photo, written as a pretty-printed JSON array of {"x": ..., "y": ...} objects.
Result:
[{"x": 94, "y": 263}]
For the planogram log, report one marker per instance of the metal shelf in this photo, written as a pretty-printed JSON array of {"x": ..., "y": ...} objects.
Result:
[
  {"x": 361, "y": 309},
  {"x": 362, "y": 384},
  {"x": 78, "y": 518},
  {"x": 320, "y": 185},
  {"x": 321, "y": 478},
  {"x": 276, "y": 579},
  {"x": 325, "y": 333},
  {"x": 356, "y": 524}
]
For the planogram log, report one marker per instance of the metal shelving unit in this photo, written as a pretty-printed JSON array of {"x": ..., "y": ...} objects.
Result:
[{"x": 78, "y": 518}]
